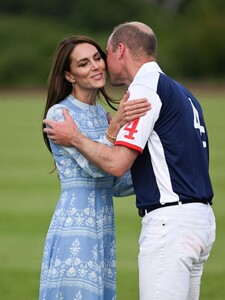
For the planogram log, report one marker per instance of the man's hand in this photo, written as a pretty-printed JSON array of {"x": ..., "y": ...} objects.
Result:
[{"x": 61, "y": 132}]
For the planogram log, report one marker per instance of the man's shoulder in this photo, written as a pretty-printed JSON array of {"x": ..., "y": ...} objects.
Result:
[{"x": 148, "y": 79}]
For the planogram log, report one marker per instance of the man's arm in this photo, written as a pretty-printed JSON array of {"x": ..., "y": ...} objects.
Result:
[
  {"x": 63, "y": 133},
  {"x": 113, "y": 160},
  {"x": 127, "y": 112}
]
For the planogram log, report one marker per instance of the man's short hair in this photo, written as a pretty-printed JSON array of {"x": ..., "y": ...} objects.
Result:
[{"x": 139, "y": 42}]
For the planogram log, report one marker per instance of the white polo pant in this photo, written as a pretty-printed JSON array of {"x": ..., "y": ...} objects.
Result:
[{"x": 175, "y": 242}]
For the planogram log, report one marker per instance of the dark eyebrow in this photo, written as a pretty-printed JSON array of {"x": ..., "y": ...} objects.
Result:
[
  {"x": 82, "y": 60},
  {"x": 97, "y": 53},
  {"x": 85, "y": 58}
]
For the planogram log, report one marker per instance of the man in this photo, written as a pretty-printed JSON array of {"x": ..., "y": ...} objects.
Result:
[{"x": 167, "y": 151}]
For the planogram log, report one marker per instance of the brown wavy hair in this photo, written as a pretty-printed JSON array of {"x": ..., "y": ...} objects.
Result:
[{"x": 58, "y": 87}]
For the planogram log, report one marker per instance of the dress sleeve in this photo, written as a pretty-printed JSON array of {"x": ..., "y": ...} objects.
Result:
[
  {"x": 55, "y": 113},
  {"x": 123, "y": 186}
]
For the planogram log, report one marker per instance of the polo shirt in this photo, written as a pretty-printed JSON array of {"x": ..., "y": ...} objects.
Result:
[{"x": 172, "y": 141}]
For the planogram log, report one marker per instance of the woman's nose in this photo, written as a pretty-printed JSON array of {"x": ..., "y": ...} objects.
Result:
[{"x": 94, "y": 65}]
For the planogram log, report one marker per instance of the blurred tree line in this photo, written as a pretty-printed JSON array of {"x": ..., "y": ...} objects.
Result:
[{"x": 190, "y": 34}]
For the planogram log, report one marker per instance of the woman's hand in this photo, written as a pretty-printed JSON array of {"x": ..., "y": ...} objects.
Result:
[
  {"x": 127, "y": 112},
  {"x": 132, "y": 109}
]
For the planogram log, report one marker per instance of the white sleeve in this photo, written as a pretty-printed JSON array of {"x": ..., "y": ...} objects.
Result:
[{"x": 136, "y": 133}]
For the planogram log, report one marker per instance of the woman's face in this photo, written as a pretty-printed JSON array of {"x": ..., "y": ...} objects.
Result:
[{"x": 87, "y": 70}]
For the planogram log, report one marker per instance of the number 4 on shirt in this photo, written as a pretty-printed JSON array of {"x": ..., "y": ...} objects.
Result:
[
  {"x": 197, "y": 123},
  {"x": 131, "y": 128}
]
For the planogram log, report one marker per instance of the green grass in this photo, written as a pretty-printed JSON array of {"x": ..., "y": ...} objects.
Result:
[{"x": 28, "y": 196}]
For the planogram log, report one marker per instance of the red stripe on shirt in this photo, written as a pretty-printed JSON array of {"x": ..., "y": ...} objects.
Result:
[{"x": 128, "y": 145}]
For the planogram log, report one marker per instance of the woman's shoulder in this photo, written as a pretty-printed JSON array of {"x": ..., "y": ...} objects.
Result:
[{"x": 55, "y": 111}]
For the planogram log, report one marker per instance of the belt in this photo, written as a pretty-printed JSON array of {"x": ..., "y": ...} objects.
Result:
[{"x": 143, "y": 211}]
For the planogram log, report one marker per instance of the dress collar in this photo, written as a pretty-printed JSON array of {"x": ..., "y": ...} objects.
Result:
[{"x": 80, "y": 104}]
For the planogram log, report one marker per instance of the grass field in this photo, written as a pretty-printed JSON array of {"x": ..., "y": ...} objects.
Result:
[{"x": 28, "y": 196}]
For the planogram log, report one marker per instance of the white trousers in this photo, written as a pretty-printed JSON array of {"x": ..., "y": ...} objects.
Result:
[{"x": 175, "y": 242}]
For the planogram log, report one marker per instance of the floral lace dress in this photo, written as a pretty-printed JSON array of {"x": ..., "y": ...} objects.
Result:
[{"x": 79, "y": 260}]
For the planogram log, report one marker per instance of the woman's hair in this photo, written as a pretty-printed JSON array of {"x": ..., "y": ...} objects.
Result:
[{"x": 58, "y": 87}]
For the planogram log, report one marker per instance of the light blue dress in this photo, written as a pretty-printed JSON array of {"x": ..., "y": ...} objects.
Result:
[{"x": 79, "y": 260}]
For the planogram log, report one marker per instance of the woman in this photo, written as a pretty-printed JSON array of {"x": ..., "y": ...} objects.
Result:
[{"x": 79, "y": 255}]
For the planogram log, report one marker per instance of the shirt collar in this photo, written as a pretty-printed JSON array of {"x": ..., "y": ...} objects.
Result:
[{"x": 148, "y": 67}]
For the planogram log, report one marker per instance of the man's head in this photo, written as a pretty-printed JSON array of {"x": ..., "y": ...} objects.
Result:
[{"x": 129, "y": 46}]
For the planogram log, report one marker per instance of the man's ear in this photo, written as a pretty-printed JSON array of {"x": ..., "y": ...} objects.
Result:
[
  {"x": 69, "y": 77},
  {"x": 121, "y": 49}
]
